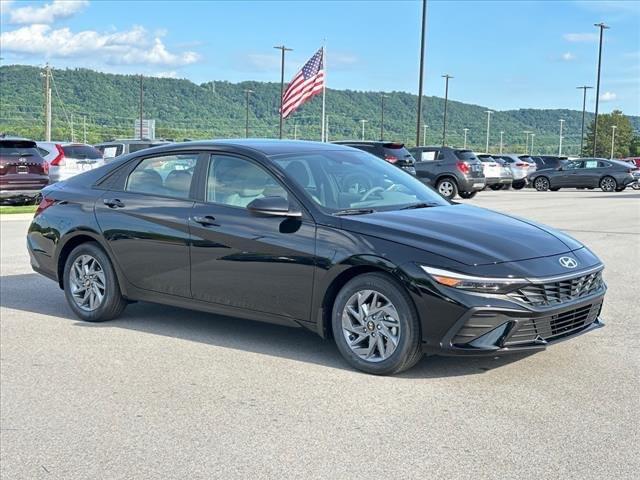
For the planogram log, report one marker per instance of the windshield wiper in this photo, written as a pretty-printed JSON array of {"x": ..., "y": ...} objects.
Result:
[
  {"x": 354, "y": 211},
  {"x": 420, "y": 205}
]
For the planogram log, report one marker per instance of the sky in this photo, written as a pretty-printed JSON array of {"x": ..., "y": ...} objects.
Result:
[{"x": 502, "y": 54}]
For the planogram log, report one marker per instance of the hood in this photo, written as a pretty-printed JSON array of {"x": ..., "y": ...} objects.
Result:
[{"x": 464, "y": 233}]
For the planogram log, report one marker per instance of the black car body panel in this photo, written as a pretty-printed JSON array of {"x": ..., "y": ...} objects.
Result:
[
  {"x": 587, "y": 173},
  {"x": 288, "y": 270}
]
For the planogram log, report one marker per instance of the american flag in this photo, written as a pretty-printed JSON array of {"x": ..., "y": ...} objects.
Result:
[{"x": 307, "y": 83}]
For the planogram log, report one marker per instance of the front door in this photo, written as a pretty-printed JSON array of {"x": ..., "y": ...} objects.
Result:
[
  {"x": 145, "y": 222},
  {"x": 572, "y": 175},
  {"x": 259, "y": 263}
]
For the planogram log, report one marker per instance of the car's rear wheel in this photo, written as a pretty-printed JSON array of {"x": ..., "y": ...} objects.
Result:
[
  {"x": 375, "y": 325},
  {"x": 554, "y": 189},
  {"x": 467, "y": 195},
  {"x": 608, "y": 184},
  {"x": 620, "y": 189},
  {"x": 90, "y": 284},
  {"x": 518, "y": 185},
  {"x": 541, "y": 184},
  {"x": 447, "y": 187},
  {"x": 495, "y": 187}
]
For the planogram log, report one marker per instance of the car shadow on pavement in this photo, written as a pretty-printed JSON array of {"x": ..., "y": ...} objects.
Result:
[
  {"x": 33, "y": 293},
  {"x": 633, "y": 195}
]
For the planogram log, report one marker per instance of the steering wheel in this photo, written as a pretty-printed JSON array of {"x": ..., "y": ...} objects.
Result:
[
  {"x": 371, "y": 192},
  {"x": 356, "y": 183}
]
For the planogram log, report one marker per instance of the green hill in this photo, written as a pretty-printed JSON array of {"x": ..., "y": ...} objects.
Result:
[{"x": 106, "y": 106}]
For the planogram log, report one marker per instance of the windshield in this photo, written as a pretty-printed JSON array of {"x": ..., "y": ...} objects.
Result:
[{"x": 344, "y": 180}]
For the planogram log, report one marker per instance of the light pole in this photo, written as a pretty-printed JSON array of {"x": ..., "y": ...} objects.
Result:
[
  {"x": 602, "y": 27},
  {"x": 584, "y": 107},
  {"x": 526, "y": 143},
  {"x": 363, "y": 122},
  {"x": 560, "y": 144},
  {"x": 488, "y": 112},
  {"x": 283, "y": 49},
  {"x": 424, "y": 134},
  {"x": 295, "y": 130},
  {"x": 422, "y": 38},
  {"x": 382, "y": 97},
  {"x": 501, "y": 143},
  {"x": 247, "y": 92},
  {"x": 466, "y": 130},
  {"x": 446, "y": 100},
  {"x": 533, "y": 135},
  {"x": 613, "y": 139}
]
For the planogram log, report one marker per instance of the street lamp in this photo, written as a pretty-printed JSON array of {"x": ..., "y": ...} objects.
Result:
[
  {"x": 446, "y": 100},
  {"x": 613, "y": 139},
  {"x": 466, "y": 130},
  {"x": 584, "y": 106},
  {"x": 382, "y": 97},
  {"x": 424, "y": 134},
  {"x": 560, "y": 144},
  {"x": 363, "y": 122},
  {"x": 283, "y": 49},
  {"x": 295, "y": 130},
  {"x": 422, "y": 42},
  {"x": 488, "y": 112},
  {"x": 602, "y": 27},
  {"x": 526, "y": 144},
  {"x": 501, "y": 143},
  {"x": 533, "y": 135},
  {"x": 247, "y": 92}
]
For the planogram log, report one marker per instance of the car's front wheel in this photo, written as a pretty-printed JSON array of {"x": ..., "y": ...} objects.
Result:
[
  {"x": 519, "y": 185},
  {"x": 90, "y": 284},
  {"x": 447, "y": 187},
  {"x": 541, "y": 184},
  {"x": 375, "y": 325},
  {"x": 608, "y": 184},
  {"x": 467, "y": 195},
  {"x": 495, "y": 187}
]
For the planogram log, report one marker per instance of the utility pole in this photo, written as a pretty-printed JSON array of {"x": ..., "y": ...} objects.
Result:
[
  {"x": 466, "y": 130},
  {"x": 424, "y": 135},
  {"x": 141, "y": 106},
  {"x": 560, "y": 144},
  {"x": 501, "y": 143},
  {"x": 533, "y": 136},
  {"x": 84, "y": 128},
  {"x": 295, "y": 130},
  {"x": 363, "y": 122},
  {"x": 326, "y": 129},
  {"x": 422, "y": 41},
  {"x": 613, "y": 139},
  {"x": 602, "y": 27},
  {"x": 73, "y": 136},
  {"x": 247, "y": 92},
  {"x": 526, "y": 142},
  {"x": 446, "y": 100},
  {"x": 47, "y": 103},
  {"x": 584, "y": 107},
  {"x": 282, "y": 49},
  {"x": 382, "y": 97},
  {"x": 488, "y": 112}
]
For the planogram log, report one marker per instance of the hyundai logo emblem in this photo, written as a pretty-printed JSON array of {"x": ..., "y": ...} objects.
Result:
[{"x": 568, "y": 262}]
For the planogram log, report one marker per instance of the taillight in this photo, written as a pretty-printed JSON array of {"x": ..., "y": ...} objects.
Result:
[
  {"x": 43, "y": 205},
  {"x": 522, "y": 165},
  {"x": 391, "y": 158},
  {"x": 45, "y": 167},
  {"x": 463, "y": 167},
  {"x": 59, "y": 160}
]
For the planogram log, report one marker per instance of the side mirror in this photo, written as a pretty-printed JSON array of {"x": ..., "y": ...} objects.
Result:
[{"x": 273, "y": 207}]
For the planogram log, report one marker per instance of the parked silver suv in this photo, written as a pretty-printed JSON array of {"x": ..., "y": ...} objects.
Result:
[{"x": 67, "y": 159}]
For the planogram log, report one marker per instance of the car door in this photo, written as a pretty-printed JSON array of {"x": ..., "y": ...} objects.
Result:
[
  {"x": 570, "y": 175},
  {"x": 144, "y": 218},
  {"x": 427, "y": 165},
  {"x": 589, "y": 176},
  {"x": 238, "y": 259}
]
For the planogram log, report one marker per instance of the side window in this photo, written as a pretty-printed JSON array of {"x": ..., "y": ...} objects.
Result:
[
  {"x": 134, "y": 147},
  {"x": 603, "y": 164},
  {"x": 237, "y": 182},
  {"x": 440, "y": 156},
  {"x": 428, "y": 156},
  {"x": 168, "y": 175},
  {"x": 574, "y": 165},
  {"x": 591, "y": 164}
]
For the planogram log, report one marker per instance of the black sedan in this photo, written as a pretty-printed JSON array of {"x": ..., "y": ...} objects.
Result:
[
  {"x": 609, "y": 175},
  {"x": 282, "y": 232}
]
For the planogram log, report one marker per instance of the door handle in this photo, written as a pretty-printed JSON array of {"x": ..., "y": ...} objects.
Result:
[
  {"x": 206, "y": 220},
  {"x": 113, "y": 203}
]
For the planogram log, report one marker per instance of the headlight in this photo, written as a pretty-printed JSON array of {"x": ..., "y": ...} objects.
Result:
[{"x": 475, "y": 284}]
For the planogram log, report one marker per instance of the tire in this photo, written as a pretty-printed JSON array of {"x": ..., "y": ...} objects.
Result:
[
  {"x": 541, "y": 184},
  {"x": 518, "y": 185},
  {"x": 554, "y": 189},
  {"x": 91, "y": 266},
  {"x": 636, "y": 186},
  {"x": 608, "y": 184},
  {"x": 495, "y": 187},
  {"x": 621, "y": 189},
  {"x": 467, "y": 195},
  {"x": 366, "y": 334},
  {"x": 447, "y": 187}
]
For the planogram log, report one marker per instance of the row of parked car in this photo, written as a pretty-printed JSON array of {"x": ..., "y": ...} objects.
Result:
[{"x": 27, "y": 166}]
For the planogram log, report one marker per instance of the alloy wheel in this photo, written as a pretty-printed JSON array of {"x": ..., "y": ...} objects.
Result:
[
  {"x": 608, "y": 184},
  {"x": 445, "y": 189},
  {"x": 371, "y": 326},
  {"x": 542, "y": 184},
  {"x": 87, "y": 283}
]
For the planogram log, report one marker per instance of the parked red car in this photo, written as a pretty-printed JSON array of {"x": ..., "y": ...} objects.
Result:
[{"x": 23, "y": 171}]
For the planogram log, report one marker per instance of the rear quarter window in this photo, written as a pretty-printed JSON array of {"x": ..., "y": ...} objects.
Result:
[
  {"x": 82, "y": 151},
  {"x": 465, "y": 155}
]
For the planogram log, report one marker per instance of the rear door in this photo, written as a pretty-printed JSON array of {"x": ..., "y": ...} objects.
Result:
[
  {"x": 428, "y": 165},
  {"x": 591, "y": 173},
  {"x": 144, "y": 218}
]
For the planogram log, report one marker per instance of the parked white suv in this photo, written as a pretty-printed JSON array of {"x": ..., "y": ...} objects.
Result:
[{"x": 67, "y": 159}]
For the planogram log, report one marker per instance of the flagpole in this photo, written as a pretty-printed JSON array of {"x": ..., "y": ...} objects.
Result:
[{"x": 324, "y": 91}]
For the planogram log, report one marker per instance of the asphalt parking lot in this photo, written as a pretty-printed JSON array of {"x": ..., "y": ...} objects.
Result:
[{"x": 168, "y": 393}]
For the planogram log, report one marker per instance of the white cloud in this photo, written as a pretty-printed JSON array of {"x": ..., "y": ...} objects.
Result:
[
  {"x": 47, "y": 13},
  {"x": 568, "y": 57},
  {"x": 128, "y": 47},
  {"x": 580, "y": 37},
  {"x": 608, "y": 97}
]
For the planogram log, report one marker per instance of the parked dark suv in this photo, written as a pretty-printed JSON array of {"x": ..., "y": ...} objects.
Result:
[
  {"x": 451, "y": 171},
  {"x": 394, "y": 153},
  {"x": 23, "y": 171},
  {"x": 546, "y": 162}
]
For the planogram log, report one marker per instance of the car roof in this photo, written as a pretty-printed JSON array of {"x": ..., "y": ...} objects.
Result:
[{"x": 266, "y": 146}]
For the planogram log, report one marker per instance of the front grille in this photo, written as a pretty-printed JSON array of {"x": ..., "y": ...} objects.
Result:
[
  {"x": 554, "y": 326},
  {"x": 543, "y": 294}
]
